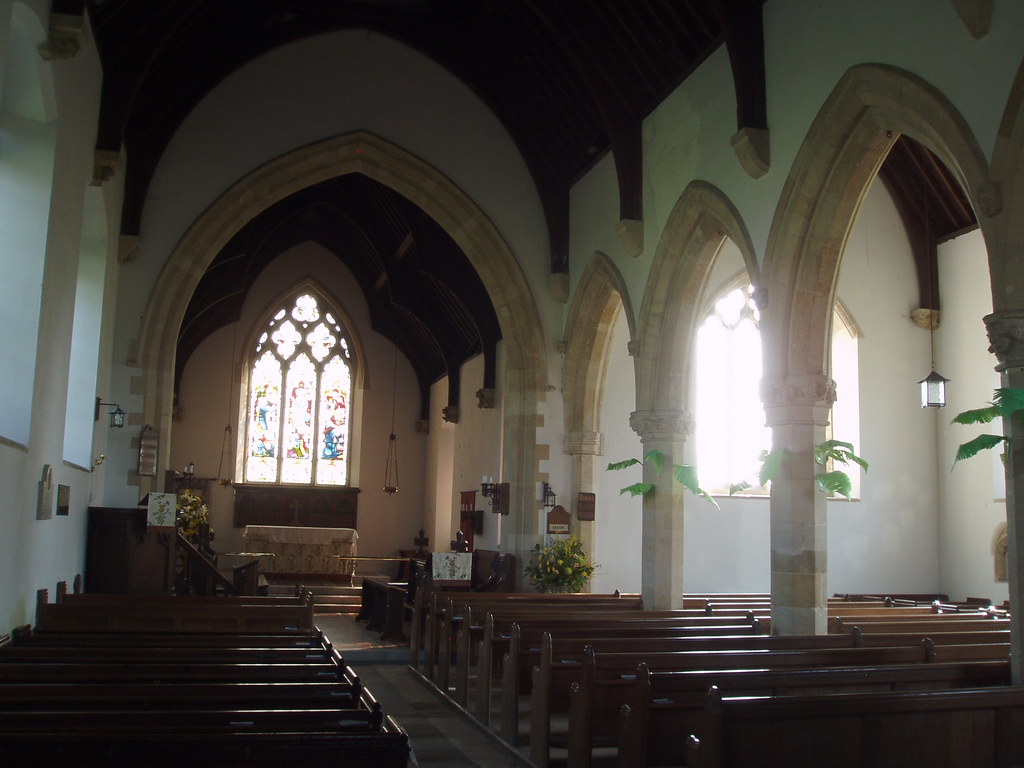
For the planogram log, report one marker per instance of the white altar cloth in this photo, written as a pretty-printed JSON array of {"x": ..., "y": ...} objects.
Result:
[{"x": 302, "y": 550}]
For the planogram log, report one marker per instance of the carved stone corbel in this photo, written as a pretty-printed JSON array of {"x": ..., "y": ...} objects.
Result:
[
  {"x": 584, "y": 443},
  {"x": 753, "y": 149},
  {"x": 105, "y": 163},
  {"x": 485, "y": 397},
  {"x": 65, "y": 38},
  {"x": 1006, "y": 338},
  {"x": 631, "y": 236}
]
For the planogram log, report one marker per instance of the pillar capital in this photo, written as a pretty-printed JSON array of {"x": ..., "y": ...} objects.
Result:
[
  {"x": 667, "y": 425},
  {"x": 1006, "y": 337},
  {"x": 803, "y": 399},
  {"x": 584, "y": 443}
]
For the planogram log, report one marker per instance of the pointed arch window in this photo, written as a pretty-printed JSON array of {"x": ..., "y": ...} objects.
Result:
[
  {"x": 731, "y": 430},
  {"x": 297, "y": 424}
]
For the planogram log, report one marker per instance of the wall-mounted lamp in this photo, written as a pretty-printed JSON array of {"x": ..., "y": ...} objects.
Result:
[
  {"x": 491, "y": 491},
  {"x": 116, "y": 416},
  {"x": 549, "y": 496}
]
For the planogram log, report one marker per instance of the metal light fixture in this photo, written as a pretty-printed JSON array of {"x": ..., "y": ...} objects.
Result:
[
  {"x": 933, "y": 390},
  {"x": 116, "y": 416},
  {"x": 491, "y": 491},
  {"x": 933, "y": 386},
  {"x": 391, "y": 466},
  {"x": 549, "y": 496}
]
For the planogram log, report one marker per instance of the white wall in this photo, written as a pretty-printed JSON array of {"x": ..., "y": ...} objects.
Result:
[
  {"x": 64, "y": 105},
  {"x": 973, "y": 492}
]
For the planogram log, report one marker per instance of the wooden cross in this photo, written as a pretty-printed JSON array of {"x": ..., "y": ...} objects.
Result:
[{"x": 421, "y": 542}]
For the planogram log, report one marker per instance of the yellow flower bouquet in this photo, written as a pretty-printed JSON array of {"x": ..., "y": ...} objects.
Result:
[
  {"x": 193, "y": 516},
  {"x": 562, "y": 566}
]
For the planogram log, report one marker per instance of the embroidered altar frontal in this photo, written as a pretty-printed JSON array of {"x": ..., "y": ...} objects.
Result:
[{"x": 296, "y": 550}]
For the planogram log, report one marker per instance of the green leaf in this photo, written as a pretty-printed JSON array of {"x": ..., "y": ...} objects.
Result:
[
  {"x": 835, "y": 482},
  {"x": 686, "y": 475},
  {"x": 637, "y": 489},
  {"x": 1009, "y": 400},
  {"x": 624, "y": 464},
  {"x": 977, "y": 445},
  {"x": 977, "y": 416},
  {"x": 771, "y": 462},
  {"x": 739, "y": 487},
  {"x": 656, "y": 459}
]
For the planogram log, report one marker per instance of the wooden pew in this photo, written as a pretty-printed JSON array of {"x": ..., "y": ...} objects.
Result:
[
  {"x": 511, "y": 644},
  {"x": 970, "y": 727},
  {"x": 210, "y": 737},
  {"x": 660, "y": 706},
  {"x": 524, "y": 651},
  {"x": 77, "y": 695},
  {"x": 556, "y": 674},
  {"x": 598, "y": 697},
  {"x": 26, "y": 635},
  {"x": 208, "y": 615},
  {"x": 443, "y": 623}
]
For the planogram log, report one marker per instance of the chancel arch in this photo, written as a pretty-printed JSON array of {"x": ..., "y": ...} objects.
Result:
[
  {"x": 871, "y": 106},
  {"x": 700, "y": 222},
  {"x": 361, "y": 152}
]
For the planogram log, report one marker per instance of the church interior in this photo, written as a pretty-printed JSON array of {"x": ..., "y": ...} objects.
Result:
[{"x": 421, "y": 270}]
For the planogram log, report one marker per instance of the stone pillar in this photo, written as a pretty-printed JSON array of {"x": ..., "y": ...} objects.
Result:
[
  {"x": 1006, "y": 335},
  {"x": 585, "y": 448},
  {"x": 797, "y": 411},
  {"x": 662, "y": 535}
]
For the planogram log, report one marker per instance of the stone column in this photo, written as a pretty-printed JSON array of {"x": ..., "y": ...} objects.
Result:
[
  {"x": 585, "y": 448},
  {"x": 662, "y": 535},
  {"x": 797, "y": 411},
  {"x": 1006, "y": 335}
]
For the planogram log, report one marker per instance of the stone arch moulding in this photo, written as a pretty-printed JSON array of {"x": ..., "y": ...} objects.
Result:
[
  {"x": 438, "y": 196},
  {"x": 1005, "y": 203},
  {"x": 599, "y": 297},
  {"x": 844, "y": 147},
  {"x": 700, "y": 221}
]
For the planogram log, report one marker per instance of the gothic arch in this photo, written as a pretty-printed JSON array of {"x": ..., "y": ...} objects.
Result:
[
  {"x": 1004, "y": 211},
  {"x": 699, "y": 223},
  {"x": 847, "y": 142},
  {"x": 359, "y": 152},
  {"x": 599, "y": 298}
]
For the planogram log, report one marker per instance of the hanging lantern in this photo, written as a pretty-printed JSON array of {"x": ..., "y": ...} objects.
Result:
[
  {"x": 933, "y": 390},
  {"x": 391, "y": 468}
]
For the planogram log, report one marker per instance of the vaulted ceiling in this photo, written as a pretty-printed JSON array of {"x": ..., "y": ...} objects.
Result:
[{"x": 571, "y": 80}]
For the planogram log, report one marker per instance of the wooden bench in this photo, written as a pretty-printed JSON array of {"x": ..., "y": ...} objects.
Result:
[
  {"x": 524, "y": 650},
  {"x": 205, "y": 736},
  {"x": 597, "y": 699},
  {"x": 26, "y": 635},
  {"x": 196, "y": 615},
  {"x": 235, "y": 698},
  {"x": 557, "y": 674},
  {"x": 519, "y": 635},
  {"x": 444, "y": 622},
  {"x": 660, "y": 706},
  {"x": 970, "y": 727}
]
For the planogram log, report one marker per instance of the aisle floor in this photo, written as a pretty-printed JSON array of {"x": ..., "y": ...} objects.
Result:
[{"x": 441, "y": 736}]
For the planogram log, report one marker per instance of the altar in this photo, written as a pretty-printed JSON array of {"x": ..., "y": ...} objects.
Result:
[{"x": 296, "y": 551}]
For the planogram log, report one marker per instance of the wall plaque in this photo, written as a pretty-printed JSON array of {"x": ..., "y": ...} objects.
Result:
[{"x": 586, "y": 506}]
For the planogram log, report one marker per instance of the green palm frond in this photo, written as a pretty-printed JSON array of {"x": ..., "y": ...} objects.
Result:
[
  {"x": 977, "y": 445},
  {"x": 624, "y": 464},
  {"x": 835, "y": 482}
]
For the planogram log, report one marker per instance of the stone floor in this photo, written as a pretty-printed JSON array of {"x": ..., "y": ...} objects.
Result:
[{"x": 440, "y": 735}]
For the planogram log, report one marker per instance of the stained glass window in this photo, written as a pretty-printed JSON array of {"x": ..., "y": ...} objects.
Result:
[{"x": 300, "y": 391}]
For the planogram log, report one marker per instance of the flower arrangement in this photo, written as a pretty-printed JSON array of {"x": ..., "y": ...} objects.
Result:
[
  {"x": 560, "y": 567},
  {"x": 193, "y": 516}
]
